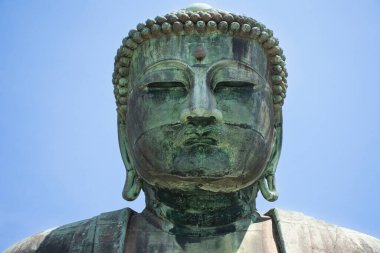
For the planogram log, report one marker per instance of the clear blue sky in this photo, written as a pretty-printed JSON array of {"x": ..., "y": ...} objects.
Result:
[{"x": 59, "y": 156}]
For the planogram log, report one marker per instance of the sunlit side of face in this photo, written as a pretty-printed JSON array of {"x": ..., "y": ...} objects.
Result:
[{"x": 200, "y": 112}]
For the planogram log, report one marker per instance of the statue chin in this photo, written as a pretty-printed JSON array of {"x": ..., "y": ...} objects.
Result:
[
  {"x": 210, "y": 174},
  {"x": 178, "y": 183}
]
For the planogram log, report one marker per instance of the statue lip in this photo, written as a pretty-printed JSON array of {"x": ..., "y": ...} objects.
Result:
[
  {"x": 190, "y": 135},
  {"x": 200, "y": 141}
]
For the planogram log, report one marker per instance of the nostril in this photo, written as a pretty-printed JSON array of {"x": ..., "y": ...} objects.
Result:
[
  {"x": 201, "y": 116},
  {"x": 201, "y": 121}
]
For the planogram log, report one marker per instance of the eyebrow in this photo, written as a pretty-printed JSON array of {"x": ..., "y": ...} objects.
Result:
[
  {"x": 229, "y": 64},
  {"x": 168, "y": 64}
]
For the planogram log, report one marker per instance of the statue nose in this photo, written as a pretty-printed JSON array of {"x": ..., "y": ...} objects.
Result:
[{"x": 201, "y": 109}]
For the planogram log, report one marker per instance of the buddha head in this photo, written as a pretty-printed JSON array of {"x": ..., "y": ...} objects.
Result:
[{"x": 199, "y": 96}]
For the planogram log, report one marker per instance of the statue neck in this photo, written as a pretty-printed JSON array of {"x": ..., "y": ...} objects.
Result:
[{"x": 200, "y": 209}]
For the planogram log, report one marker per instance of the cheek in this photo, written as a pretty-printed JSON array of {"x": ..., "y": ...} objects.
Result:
[
  {"x": 257, "y": 157},
  {"x": 249, "y": 108},
  {"x": 156, "y": 147},
  {"x": 155, "y": 109}
]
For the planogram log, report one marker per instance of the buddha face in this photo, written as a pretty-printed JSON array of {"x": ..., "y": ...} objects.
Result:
[{"x": 200, "y": 113}]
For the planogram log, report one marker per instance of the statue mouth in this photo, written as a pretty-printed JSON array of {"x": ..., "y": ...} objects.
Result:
[
  {"x": 200, "y": 141},
  {"x": 192, "y": 136}
]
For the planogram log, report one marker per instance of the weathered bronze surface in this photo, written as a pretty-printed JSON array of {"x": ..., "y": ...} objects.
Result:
[{"x": 199, "y": 96}]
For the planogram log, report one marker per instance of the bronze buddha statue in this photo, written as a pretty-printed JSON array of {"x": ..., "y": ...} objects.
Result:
[{"x": 199, "y": 96}]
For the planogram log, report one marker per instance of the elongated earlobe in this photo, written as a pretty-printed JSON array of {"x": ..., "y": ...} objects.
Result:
[
  {"x": 132, "y": 186},
  {"x": 267, "y": 183},
  {"x": 267, "y": 187}
]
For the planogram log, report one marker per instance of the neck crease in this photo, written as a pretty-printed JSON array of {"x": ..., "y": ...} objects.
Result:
[{"x": 188, "y": 212}]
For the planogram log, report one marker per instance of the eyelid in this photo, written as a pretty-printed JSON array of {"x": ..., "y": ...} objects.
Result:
[
  {"x": 169, "y": 75},
  {"x": 252, "y": 81},
  {"x": 241, "y": 73},
  {"x": 233, "y": 84},
  {"x": 161, "y": 67},
  {"x": 165, "y": 85}
]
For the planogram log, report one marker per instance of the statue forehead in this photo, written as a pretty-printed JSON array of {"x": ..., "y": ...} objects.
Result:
[{"x": 195, "y": 50}]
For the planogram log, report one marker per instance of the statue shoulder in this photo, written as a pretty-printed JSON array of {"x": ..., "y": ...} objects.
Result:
[
  {"x": 29, "y": 244},
  {"x": 103, "y": 233},
  {"x": 297, "y": 232}
]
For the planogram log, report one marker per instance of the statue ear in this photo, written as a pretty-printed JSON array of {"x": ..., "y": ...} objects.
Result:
[
  {"x": 267, "y": 183},
  {"x": 132, "y": 185}
]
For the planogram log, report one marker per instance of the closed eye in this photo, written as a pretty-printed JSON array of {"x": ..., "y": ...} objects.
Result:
[
  {"x": 233, "y": 85},
  {"x": 166, "y": 86}
]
